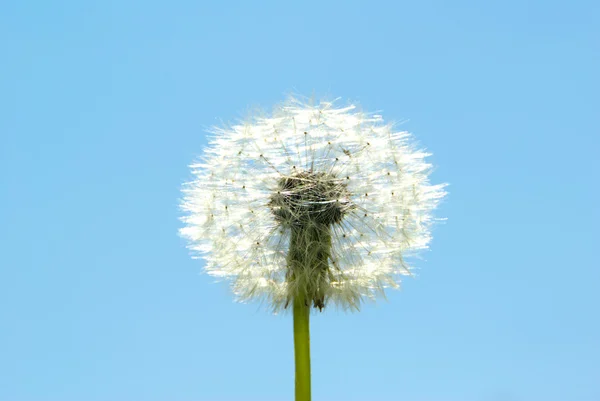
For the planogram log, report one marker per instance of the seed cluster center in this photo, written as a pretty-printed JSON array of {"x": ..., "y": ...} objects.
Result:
[{"x": 307, "y": 198}]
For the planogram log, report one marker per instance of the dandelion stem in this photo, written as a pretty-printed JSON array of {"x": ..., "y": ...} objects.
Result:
[
  {"x": 302, "y": 348},
  {"x": 310, "y": 246}
]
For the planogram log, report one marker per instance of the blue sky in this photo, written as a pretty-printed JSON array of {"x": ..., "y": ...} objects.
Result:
[{"x": 105, "y": 103}]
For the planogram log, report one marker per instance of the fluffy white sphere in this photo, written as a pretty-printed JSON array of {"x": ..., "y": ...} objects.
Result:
[{"x": 337, "y": 170}]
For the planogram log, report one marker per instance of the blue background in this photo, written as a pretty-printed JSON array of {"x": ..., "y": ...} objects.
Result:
[{"x": 104, "y": 104}]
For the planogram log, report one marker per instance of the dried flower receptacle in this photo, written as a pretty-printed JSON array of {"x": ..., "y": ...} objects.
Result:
[{"x": 308, "y": 203}]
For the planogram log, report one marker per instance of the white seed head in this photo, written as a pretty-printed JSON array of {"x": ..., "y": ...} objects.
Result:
[{"x": 315, "y": 201}]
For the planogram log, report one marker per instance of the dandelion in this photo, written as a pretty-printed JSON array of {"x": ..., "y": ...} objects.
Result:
[{"x": 311, "y": 206}]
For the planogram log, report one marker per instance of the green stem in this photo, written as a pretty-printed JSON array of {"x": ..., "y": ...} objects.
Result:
[
  {"x": 302, "y": 349},
  {"x": 308, "y": 264}
]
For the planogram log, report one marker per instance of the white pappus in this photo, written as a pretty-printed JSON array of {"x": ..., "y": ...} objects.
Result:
[{"x": 314, "y": 201}]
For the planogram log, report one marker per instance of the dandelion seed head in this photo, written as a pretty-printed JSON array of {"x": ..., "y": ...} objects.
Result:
[{"x": 318, "y": 200}]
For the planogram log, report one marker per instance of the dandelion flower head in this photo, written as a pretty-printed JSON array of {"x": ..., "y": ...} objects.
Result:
[{"x": 315, "y": 200}]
